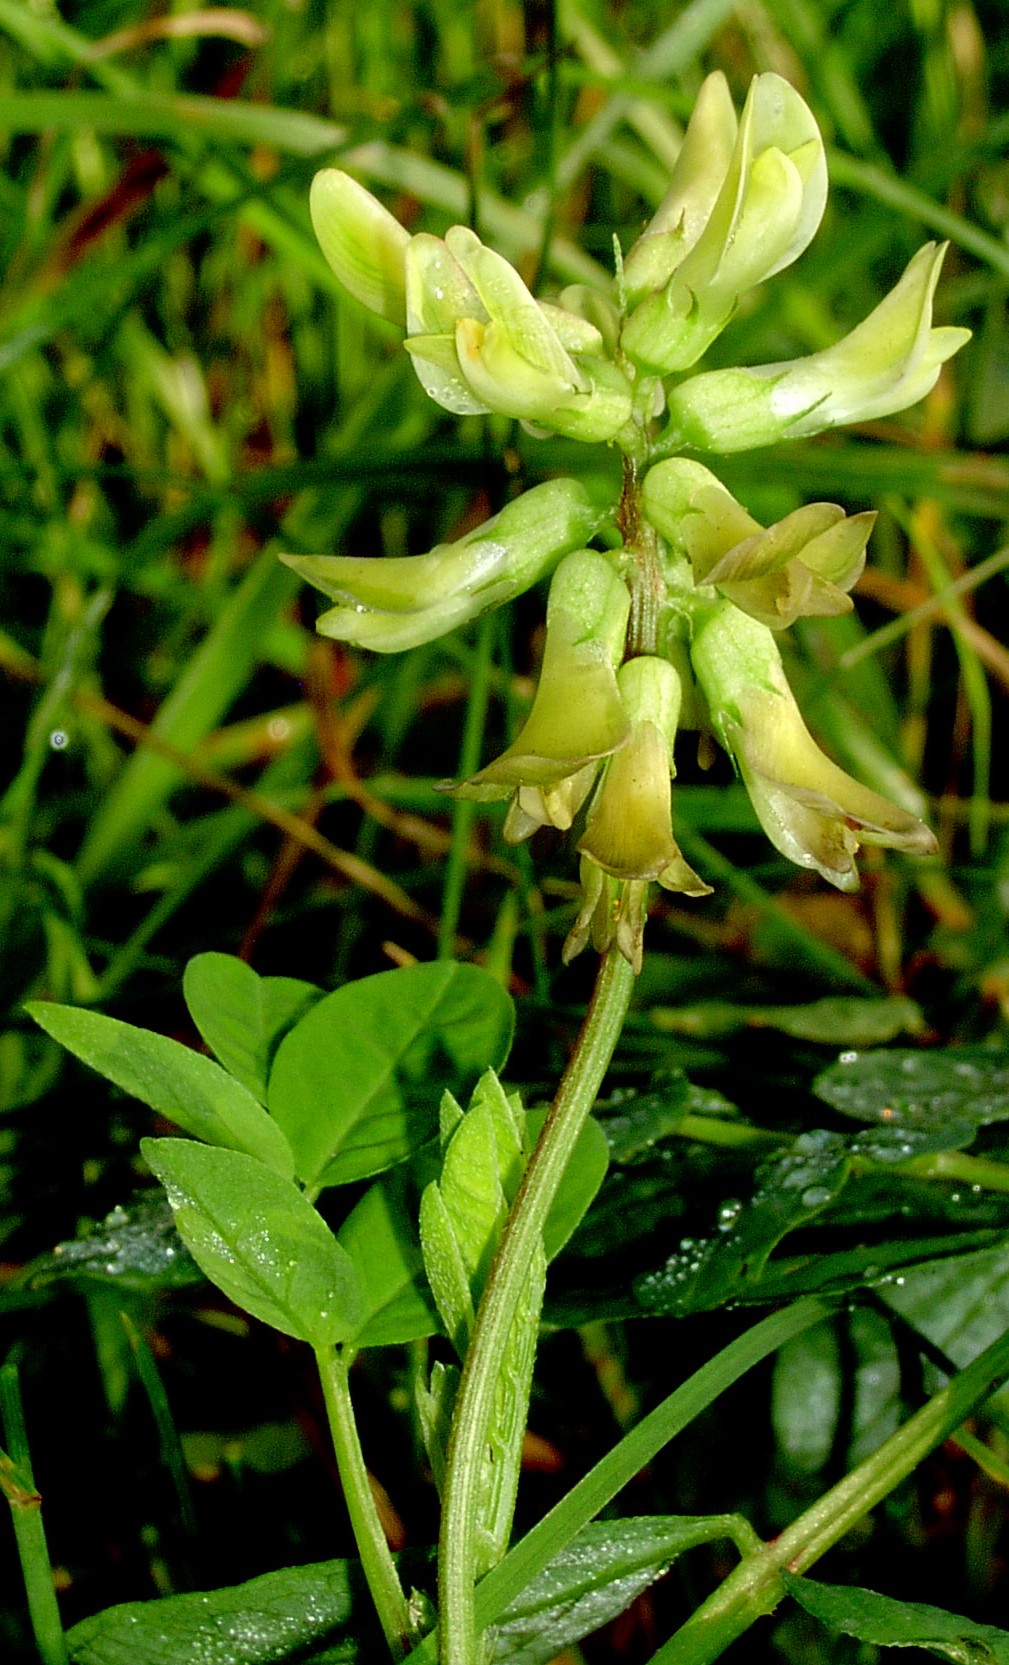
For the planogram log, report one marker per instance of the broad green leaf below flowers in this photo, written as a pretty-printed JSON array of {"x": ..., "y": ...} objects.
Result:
[
  {"x": 258, "y": 1238},
  {"x": 357, "y": 1082},
  {"x": 191, "y": 1090},
  {"x": 244, "y": 1017}
]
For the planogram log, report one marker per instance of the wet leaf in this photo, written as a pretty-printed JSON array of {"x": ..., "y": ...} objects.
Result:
[
  {"x": 791, "y": 1191},
  {"x": 257, "y": 1237},
  {"x": 919, "y": 1089},
  {"x": 136, "y": 1247}
]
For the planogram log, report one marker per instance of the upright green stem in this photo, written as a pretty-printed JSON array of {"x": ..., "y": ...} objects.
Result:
[
  {"x": 18, "y": 1486},
  {"x": 376, "y": 1560},
  {"x": 489, "y": 1341},
  {"x": 755, "y": 1587}
]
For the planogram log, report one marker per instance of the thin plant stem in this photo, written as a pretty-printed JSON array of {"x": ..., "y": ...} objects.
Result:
[
  {"x": 488, "y": 1345},
  {"x": 18, "y": 1486},
  {"x": 376, "y": 1559},
  {"x": 756, "y": 1586}
]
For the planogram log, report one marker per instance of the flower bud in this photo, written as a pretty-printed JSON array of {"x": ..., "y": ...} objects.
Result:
[
  {"x": 397, "y": 603},
  {"x": 887, "y": 363},
  {"x": 363, "y": 243},
  {"x": 767, "y": 208},
  {"x": 800, "y": 567},
  {"x": 577, "y": 716},
  {"x": 697, "y": 178},
  {"x": 812, "y": 812}
]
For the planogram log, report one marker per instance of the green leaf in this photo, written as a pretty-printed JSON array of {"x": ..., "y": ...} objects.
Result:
[
  {"x": 244, "y": 1017},
  {"x": 836, "y": 1020},
  {"x": 920, "y": 1089},
  {"x": 259, "y": 1239},
  {"x": 961, "y": 1305},
  {"x": 191, "y": 1090},
  {"x": 791, "y": 1191},
  {"x": 320, "y": 1613},
  {"x": 887, "y": 1623},
  {"x": 357, "y": 1082},
  {"x": 136, "y": 1247},
  {"x": 381, "y": 1239},
  {"x": 596, "y": 1577},
  {"x": 262, "y": 1622}
]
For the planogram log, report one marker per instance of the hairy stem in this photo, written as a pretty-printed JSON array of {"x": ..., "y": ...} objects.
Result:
[
  {"x": 488, "y": 1344},
  {"x": 376, "y": 1560}
]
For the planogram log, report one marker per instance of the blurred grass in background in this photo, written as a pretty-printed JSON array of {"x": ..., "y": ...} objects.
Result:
[{"x": 186, "y": 391}]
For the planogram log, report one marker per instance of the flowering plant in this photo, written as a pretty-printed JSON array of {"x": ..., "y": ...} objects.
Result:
[{"x": 675, "y": 625}]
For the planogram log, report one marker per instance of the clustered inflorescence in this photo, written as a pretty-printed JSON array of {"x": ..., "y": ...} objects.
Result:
[{"x": 676, "y": 626}]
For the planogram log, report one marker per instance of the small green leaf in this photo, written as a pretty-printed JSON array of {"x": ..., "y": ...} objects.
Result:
[
  {"x": 357, "y": 1082},
  {"x": 593, "y": 1579},
  {"x": 836, "y": 1020},
  {"x": 262, "y": 1622},
  {"x": 920, "y": 1089},
  {"x": 244, "y": 1017},
  {"x": 887, "y": 1623},
  {"x": 192, "y": 1091},
  {"x": 259, "y": 1239},
  {"x": 381, "y": 1239}
]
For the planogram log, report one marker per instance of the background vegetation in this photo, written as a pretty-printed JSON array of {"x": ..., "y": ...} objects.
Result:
[{"x": 185, "y": 766}]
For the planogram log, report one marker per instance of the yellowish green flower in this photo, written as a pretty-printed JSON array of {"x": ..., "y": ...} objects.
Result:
[
  {"x": 800, "y": 567},
  {"x": 577, "y": 717},
  {"x": 743, "y": 203},
  {"x": 397, "y": 603},
  {"x": 812, "y": 812},
  {"x": 628, "y": 839},
  {"x": 889, "y": 362}
]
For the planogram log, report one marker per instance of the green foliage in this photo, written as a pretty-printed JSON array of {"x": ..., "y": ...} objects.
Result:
[
  {"x": 190, "y": 1090},
  {"x": 254, "y": 1234},
  {"x": 187, "y": 393},
  {"x": 355, "y": 1084},
  {"x": 895, "y": 1624}
]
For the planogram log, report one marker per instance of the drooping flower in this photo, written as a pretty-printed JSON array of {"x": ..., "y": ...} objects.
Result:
[
  {"x": 887, "y": 363},
  {"x": 628, "y": 839},
  {"x": 812, "y": 812},
  {"x": 399, "y": 602},
  {"x": 801, "y": 567},
  {"x": 743, "y": 203},
  {"x": 577, "y": 717}
]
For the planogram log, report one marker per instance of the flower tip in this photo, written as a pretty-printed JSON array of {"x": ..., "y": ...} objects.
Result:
[{"x": 362, "y": 242}]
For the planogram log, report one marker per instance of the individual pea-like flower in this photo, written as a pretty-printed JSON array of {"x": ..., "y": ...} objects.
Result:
[
  {"x": 812, "y": 812},
  {"x": 478, "y": 339},
  {"x": 577, "y": 716},
  {"x": 628, "y": 840},
  {"x": 801, "y": 567},
  {"x": 887, "y": 363},
  {"x": 743, "y": 203},
  {"x": 397, "y": 603},
  {"x": 481, "y": 342}
]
